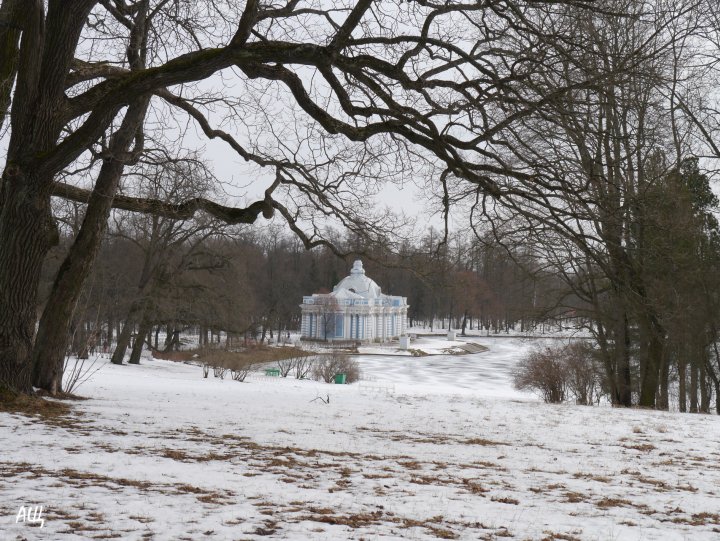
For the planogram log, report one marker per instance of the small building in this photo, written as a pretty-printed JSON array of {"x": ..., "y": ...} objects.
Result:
[{"x": 355, "y": 310}]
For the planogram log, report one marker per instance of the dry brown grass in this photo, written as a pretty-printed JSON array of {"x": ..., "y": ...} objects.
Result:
[
  {"x": 699, "y": 519},
  {"x": 505, "y": 499},
  {"x": 359, "y": 520},
  {"x": 144, "y": 519},
  {"x": 377, "y": 475},
  {"x": 216, "y": 498},
  {"x": 442, "y": 533},
  {"x": 11, "y": 402},
  {"x": 643, "y": 447},
  {"x": 474, "y": 487},
  {"x": 606, "y": 503},
  {"x": 574, "y": 497},
  {"x": 482, "y": 441},
  {"x": 660, "y": 485},
  {"x": 174, "y": 454},
  {"x": 592, "y": 476},
  {"x": 234, "y": 359},
  {"x": 552, "y": 536}
]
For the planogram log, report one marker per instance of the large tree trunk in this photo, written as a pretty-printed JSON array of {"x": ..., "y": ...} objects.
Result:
[
  {"x": 134, "y": 316},
  {"x": 649, "y": 375},
  {"x": 682, "y": 382},
  {"x": 705, "y": 388},
  {"x": 109, "y": 338},
  {"x": 123, "y": 341},
  {"x": 693, "y": 384},
  {"x": 650, "y": 364},
  {"x": 168, "y": 337},
  {"x": 176, "y": 339},
  {"x": 54, "y": 323},
  {"x": 663, "y": 401},
  {"x": 623, "y": 382},
  {"x": 143, "y": 331},
  {"x": 27, "y": 231}
]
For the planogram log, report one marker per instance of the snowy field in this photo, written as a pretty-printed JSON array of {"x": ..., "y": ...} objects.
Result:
[{"x": 423, "y": 448}]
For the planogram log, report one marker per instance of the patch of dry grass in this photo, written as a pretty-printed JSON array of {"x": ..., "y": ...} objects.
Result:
[
  {"x": 592, "y": 477},
  {"x": 11, "y": 402},
  {"x": 606, "y": 503},
  {"x": 574, "y": 497},
  {"x": 698, "y": 519},
  {"x": 474, "y": 487},
  {"x": 358, "y": 520},
  {"x": 236, "y": 358},
  {"x": 505, "y": 499},
  {"x": 483, "y": 442},
  {"x": 552, "y": 536}
]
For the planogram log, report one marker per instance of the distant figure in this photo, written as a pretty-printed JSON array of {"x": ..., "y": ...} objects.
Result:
[{"x": 105, "y": 347}]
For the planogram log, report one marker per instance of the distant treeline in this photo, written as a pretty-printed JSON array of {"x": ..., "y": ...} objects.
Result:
[{"x": 157, "y": 279}]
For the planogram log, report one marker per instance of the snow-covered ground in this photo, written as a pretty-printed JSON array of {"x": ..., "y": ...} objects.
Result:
[
  {"x": 479, "y": 374},
  {"x": 422, "y": 448},
  {"x": 419, "y": 346},
  {"x": 566, "y": 329}
]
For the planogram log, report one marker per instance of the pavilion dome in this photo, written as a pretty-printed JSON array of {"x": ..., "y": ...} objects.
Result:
[{"x": 358, "y": 283}]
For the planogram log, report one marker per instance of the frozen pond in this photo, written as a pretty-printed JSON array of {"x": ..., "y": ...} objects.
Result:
[{"x": 487, "y": 373}]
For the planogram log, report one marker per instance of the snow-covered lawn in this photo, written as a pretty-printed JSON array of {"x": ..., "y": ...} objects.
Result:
[{"x": 423, "y": 448}]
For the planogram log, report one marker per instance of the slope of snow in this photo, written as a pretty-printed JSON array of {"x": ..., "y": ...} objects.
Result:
[{"x": 422, "y": 448}]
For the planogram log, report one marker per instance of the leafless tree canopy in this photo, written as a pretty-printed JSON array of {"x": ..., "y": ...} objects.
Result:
[{"x": 525, "y": 105}]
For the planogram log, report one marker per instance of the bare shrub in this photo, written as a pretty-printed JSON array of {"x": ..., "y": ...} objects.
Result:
[
  {"x": 77, "y": 370},
  {"x": 326, "y": 367},
  {"x": 304, "y": 366},
  {"x": 222, "y": 361},
  {"x": 299, "y": 365},
  {"x": 240, "y": 373},
  {"x": 286, "y": 365},
  {"x": 561, "y": 372},
  {"x": 542, "y": 371},
  {"x": 219, "y": 371},
  {"x": 583, "y": 373}
]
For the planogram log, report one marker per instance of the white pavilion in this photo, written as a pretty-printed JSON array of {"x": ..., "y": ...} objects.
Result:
[{"x": 355, "y": 310}]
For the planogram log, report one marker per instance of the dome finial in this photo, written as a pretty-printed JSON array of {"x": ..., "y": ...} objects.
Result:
[{"x": 357, "y": 267}]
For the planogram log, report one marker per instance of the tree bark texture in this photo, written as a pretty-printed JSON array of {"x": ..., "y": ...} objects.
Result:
[{"x": 27, "y": 231}]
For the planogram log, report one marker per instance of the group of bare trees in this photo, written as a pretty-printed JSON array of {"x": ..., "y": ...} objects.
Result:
[
  {"x": 156, "y": 279},
  {"x": 556, "y": 129},
  {"x": 618, "y": 203}
]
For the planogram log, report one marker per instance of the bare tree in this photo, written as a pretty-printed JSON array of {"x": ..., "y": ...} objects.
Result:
[
  {"x": 595, "y": 157},
  {"x": 167, "y": 245}
]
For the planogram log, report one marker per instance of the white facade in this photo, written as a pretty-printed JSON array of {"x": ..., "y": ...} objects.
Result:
[{"x": 355, "y": 310}]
